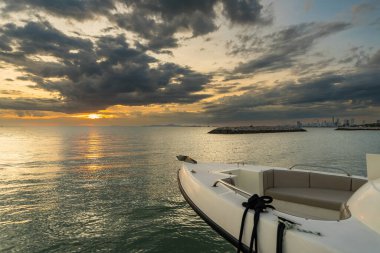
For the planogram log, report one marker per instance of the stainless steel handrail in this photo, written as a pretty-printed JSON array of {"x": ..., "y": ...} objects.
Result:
[
  {"x": 319, "y": 166},
  {"x": 238, "y": 163},
  {"x": 231, "y": 187}
]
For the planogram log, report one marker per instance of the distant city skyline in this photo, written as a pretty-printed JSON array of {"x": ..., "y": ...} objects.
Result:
[{"x": 212, "y": 62}]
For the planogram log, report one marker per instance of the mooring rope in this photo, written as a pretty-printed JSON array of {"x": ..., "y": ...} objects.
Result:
[{"x": 259, "y": 205}]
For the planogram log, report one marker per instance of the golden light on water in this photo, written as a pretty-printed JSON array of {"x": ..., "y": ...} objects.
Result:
[{"x": 92, "y": 149}]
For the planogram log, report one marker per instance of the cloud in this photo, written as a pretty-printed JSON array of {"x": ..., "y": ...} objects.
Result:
[
  {"x": 93, "y": 75},
  {"x": 354, "y": 94},
  {"x": 161, "y": 34},
  {"x": 283, "y": 49},
  {"x": 374, "y": 61},
  {"x": 76, "y": 9},
  {"x": 244, "y": 11},
  {"x": 10, "y": 92},
  {"x": 35, "y": 104},
  {"x": 156, "y": 21},
  {"x": 5, "y": 44},
  {"x": 42, "y": 37},
  {"x": 29, "y": 113}
]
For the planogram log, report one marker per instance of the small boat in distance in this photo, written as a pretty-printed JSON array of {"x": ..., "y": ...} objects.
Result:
[{"x": 269, "y": 209}]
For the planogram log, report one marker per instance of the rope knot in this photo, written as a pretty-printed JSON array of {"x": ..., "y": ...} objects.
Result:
[{"x": 259, "y": 204}]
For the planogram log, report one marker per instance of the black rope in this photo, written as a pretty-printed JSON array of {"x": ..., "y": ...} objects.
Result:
[
  {"x": 280, "y": 235},
  {"x": 259, "y": 205}
]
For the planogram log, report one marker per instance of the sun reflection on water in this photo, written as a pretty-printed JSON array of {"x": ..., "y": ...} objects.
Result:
[
  {"x": 93, "y": 149},
  {"x": 93, "y": 145}
]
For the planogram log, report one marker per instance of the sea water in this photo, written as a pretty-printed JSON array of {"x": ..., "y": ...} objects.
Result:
[{"x": 114, "y": 189}]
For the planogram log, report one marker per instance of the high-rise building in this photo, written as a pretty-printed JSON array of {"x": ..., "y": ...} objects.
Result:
[{"x": 337, "y": 123}]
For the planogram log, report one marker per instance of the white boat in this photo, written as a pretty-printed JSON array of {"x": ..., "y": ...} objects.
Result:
[{"x": 315, "y": 212}]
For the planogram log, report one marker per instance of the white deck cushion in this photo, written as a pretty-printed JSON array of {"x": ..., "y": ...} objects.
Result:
[
  {"x": 286, "y": 178},
  {"x": 330, "y": 182},
  {"x": 324, "y": 198},
  {"x": 357, "y": 183}
]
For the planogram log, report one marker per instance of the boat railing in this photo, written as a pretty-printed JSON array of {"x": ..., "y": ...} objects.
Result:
[
  {"x": 234, "y": 188},
  {"x": 319, "y": 166},
  {"x": 238, "y": 164}
]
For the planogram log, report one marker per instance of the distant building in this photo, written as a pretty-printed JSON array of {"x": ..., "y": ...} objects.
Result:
[
  {"x": 299, "y": 124},
  {"x": 352, "y": 122},
  {"x": 337, "y": 122},
  {"x": 346, "y": 122},
  {"x": 378, "y": 121}
]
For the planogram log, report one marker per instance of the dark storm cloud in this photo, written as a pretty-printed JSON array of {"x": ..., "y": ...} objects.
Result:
[
  {"x": 31, "y": 104},
  {"x": 77, "y": 9},
  {"x": 156, "y": 21},
  {"x": 105, "y": 71},
  {"x": 198, "y": 17},
  {"x": 339, "y": 94},
  {"x": 5, "y": 43},
  {"x": 282, "y": 49},
  {"x": 243, "y": 11},
  {"x": 36, "y": 38},
  {"x": 93, "y": 76}
]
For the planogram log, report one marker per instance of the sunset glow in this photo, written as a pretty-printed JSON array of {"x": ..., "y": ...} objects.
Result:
[
  {"x": 94, "y": 116},
  {"x": 188, "y": 62}
]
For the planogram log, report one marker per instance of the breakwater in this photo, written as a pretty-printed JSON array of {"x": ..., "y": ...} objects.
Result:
[
  {"x": 255, "y": 129},
  {"x": 357, "y": 128}
]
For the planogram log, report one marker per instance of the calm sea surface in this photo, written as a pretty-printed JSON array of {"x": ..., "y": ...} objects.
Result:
[{"x": 102, "y": 189}]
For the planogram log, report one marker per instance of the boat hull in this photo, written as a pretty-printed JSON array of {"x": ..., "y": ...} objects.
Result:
[
  {"x": 220, "y": 230},
  {"x": 221, "y": 208}
]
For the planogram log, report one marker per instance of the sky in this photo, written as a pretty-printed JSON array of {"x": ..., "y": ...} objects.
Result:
[{"x": 200, "y": 62}]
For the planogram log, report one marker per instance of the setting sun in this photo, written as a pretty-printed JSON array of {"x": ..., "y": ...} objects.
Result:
[{"x": 94, "y": 116}]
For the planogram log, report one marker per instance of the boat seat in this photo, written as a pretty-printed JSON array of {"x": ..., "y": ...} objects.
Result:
[
  {"x": 323, "y": 198},
  {"x": 308, "y": 188}
]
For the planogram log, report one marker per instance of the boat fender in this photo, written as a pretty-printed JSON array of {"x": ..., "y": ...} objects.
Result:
[
  {"x": 259, "y": 205},
  {"x": 185, "y": 158}
]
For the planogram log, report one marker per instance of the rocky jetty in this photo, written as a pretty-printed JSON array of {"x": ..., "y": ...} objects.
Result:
[
  {"x": 371, "y": 126},
  {"x": 255, "y": 129},
  {"x": 357, "y": 128}
]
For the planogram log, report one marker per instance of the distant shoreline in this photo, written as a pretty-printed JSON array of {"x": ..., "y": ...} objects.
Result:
[{"x": 255, "y": 130}]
